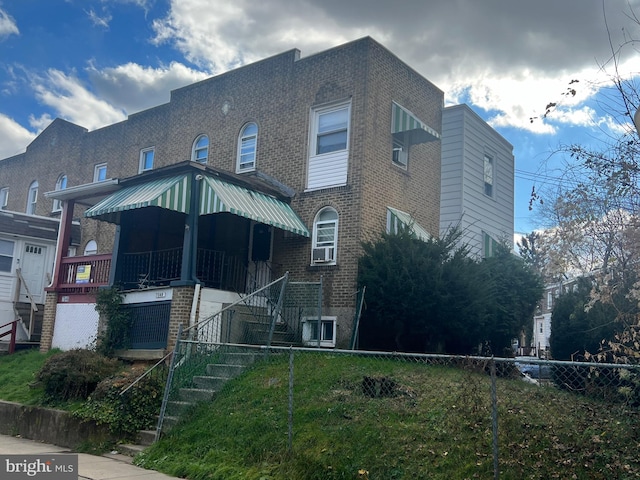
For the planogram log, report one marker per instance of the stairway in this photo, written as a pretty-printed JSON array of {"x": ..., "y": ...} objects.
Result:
[{"x": 205, "y": 388}]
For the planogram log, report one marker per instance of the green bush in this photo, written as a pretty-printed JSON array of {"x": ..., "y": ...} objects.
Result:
[
  {"x": 74, "y": 374},
  {"x": 125, "y": 414}
]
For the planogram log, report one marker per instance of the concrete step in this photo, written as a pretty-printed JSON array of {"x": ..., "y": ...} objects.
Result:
[
  {"x": 210, "y": 383},
  {"x": 146, "y": 437},
  {"x": 224, "y": 370},
  {"x": 130, "y": 450},
  {"x": 195, "y": 395},
  {"x": 238, "y": 358}
]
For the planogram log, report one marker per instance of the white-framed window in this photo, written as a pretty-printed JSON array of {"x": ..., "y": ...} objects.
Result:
[
  {"x": 146, "y": 159},
  {"x": 549, "y": 300},
  {"x": 61, "y": 184},
  {"x": 247, "y": 143},
  {"x": 6, "y": 255},
  {"x": 91, "y": 248},
  {"x": 100, "y": 172},
  {"x": 400, "y": 152},
  {"x": 200, "y": 150},
  {"x": 32, "y": 198},
  {"x": 325, "y": 237},
  {"x": 488, "y": 175},
  {"x": 329, "y": 146},
  {"x": 4, "y": 197},
  {"x": 327, "y": 331}
]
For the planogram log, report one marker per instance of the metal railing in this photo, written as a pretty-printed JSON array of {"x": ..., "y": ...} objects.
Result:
[{"x": 13, "y": 331}]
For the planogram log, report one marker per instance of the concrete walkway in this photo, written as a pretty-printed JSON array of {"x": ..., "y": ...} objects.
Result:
[{"x": 90, "y": 467}]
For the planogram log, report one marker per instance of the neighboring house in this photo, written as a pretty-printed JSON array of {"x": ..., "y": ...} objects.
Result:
[
  {"x": 540, "y": 345},
  {"x": 283, "y": 165},
  {"x": 477, "y": 181},
  {"x": 27, "y": 250}
]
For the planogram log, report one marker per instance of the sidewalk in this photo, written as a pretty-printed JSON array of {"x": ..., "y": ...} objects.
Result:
[{"x": 90, "y": 467}]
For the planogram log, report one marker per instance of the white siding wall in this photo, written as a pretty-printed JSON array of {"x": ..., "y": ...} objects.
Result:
[{"x": 466, "y": 138}]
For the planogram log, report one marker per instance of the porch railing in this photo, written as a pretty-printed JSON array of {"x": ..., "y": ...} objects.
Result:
[
  {"x": 83, "y": 275},
  {"x": 215, "y": 269},
  {"x": 13, "y": 331}
]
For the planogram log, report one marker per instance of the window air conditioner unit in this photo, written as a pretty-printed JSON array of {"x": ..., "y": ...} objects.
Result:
[
  {"x": 327, "y": 331},
  {"x": 323, "y": 255}
]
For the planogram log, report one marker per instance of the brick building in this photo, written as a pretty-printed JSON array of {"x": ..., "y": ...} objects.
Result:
[{"x": 345, "y": 144}]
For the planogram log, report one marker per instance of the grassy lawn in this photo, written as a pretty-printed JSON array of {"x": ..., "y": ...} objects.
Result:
[
  {"x": 17, "y": 376},
  {"x": 437, "y": 426}
]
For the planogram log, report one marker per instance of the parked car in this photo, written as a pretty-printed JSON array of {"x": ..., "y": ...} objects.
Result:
[{"x": 535, "y": 370}]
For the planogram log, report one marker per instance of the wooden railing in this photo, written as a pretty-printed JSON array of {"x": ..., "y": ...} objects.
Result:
[{"x": 83, "y": 275}]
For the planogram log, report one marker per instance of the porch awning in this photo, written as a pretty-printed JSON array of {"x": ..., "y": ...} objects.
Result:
[
  {"x": 397, "y": 219},
  {"x": 405, "y": 122},
  {"x": 171, "y": 193},
  {"x": 218, "y": 196}
]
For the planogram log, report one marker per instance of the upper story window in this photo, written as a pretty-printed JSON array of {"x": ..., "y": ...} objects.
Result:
[
  {"x": 329, "y": 146},
  {"x": 325, "y": 237},
  {"x": 61, "y": 184},
  {"x": 32, "y": 198},
  {"x": 100, "y": 172},
  {"x": 4, "y": 197},
  {"x": 549, "y": 300},
  {"x": 91, "y": 248},
  {"x": 400, "y": 152},
  {"x": 200, "y": 150},
  {"x": 488, "y": 175},
  {"x": 146, "y": 159},
  {"x": 247, "y": 148},
  {"x": 6, "y": 255}
]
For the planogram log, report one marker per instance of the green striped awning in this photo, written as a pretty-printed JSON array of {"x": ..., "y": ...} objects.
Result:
[
  {"x": 218, "y": 196},
  {"x": 397, "y": 219},
  {"x": 403, "y": 121},
  {"x": 171, "y": 193}
]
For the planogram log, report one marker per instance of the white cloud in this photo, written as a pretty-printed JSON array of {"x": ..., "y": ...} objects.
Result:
[
  {"x": 132, "y": 87},
  {"x": 13, "y": 134},
  {"x": 99, "y": 21},
  {"x": 8, "y": 25},
  {"x": 73, "y": 102}
]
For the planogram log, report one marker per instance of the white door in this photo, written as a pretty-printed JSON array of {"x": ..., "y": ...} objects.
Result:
[{"x": 33, "y": 271}]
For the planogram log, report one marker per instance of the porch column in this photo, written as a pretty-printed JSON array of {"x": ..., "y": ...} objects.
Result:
[
  {"x": 190, "y": 242},
  {"x": 64, "y": 239}
]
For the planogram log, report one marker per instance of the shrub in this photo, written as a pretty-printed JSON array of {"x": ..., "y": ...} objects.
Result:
[
  {"x": 74, "y": 374},
  {"x": 125, "y": 414},
  {"x": 116, "y": 334}
]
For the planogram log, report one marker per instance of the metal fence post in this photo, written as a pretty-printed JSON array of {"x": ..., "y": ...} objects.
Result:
[
  {"x": 290, "y": 420},
  {"x": 494, "y": 420}
]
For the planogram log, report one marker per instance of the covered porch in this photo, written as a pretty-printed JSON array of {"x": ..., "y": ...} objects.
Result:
[{"x": 175, "y": 228}]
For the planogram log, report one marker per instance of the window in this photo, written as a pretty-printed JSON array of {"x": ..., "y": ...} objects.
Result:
[
  {"x": 146, "y": 160},
  {"x": 200, "y": 151},
  {"x": 400, "y": 152},
  {"x": 32, "y": 198},
  {"x": 549, "y": 300},
  {"x": 4, "y": 198},
  {"x": 247, "y": 148},
  {"x": 489, "y": 245},
  {"x": 100, "y": 172},
  {"x": 329, "y": 147},
  {"x": 91, "y": 248},
  {"x": 325, "y": 237},
  {"x": 6, "y": 255},
  {"x": 327, "y": 331},
  {"x": 488, "y": 175},
  {"x": 61, "y": 184}
]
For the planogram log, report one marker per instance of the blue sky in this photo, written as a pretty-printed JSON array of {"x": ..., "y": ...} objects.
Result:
[{"x": 93, "y": 62}]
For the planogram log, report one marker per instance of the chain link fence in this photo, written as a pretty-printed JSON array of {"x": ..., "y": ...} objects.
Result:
[{"x": 379, "y": 415}]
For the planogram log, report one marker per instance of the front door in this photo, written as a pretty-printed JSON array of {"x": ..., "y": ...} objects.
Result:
[{"x": 32, "y": 266}]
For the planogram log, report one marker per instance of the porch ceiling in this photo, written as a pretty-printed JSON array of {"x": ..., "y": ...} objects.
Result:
[
  {"x": 171, "y": 193},
  {"x": 219, "y": 196}
]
